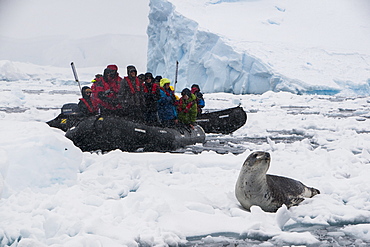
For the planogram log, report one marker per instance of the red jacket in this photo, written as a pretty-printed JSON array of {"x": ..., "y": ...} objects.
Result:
[
  {"x": 104, "y": 93},
  {"x": 131, "y": 94}
]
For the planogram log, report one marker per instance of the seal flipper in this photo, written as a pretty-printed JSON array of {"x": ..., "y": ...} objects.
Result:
[{"x": 295, "y": 201}]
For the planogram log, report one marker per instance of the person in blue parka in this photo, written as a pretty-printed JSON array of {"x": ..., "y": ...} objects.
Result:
[{"x": 166, "y": 104}]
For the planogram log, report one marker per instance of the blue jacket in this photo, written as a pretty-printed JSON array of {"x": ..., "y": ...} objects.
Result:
[{"x": 166, "y": 105}]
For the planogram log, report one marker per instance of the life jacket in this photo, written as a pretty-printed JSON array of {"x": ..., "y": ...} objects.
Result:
[
  {"x": 154, "y": 88},
  {"x": 89, "y": 107},
  {"x": 137, "y": 87},
  {"x": 168, "y": 93},
  {"x": 187, "y": 107}
]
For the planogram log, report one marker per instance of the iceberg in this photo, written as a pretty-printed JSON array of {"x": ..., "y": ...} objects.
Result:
[{"x": 215, "y": 48}]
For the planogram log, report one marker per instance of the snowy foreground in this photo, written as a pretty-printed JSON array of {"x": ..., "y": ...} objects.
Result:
[{"x": 55, "y": 195}]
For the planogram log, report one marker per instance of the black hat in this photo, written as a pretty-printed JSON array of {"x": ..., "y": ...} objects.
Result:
[
  {"x": 186, "y": 91},
  {"x": 149, "y": 75},
  {"x": 131, "y": 68},
  {"x": 157, "y": 79},
  {"x": 141, "y": 77}
]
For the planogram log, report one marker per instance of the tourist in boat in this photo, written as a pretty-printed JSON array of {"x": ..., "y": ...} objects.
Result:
[
  {"x": 141, "y": 78},
  {"x": 152, "y": 95},
  {"x": 105, "y": 90},
  {"x": 85, "y": 105},
  {"x": 166, "y": 104},
  {"x": 199, "y": 96},
  {"x": 187, "y": 108},
  {"x": 131, "y": 96},
  {"x": 97, "y": 76},
  {"x": 157, "y": 80}
]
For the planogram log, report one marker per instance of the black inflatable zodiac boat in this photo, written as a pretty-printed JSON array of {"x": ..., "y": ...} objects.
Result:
[
  {"x": 224, "y": 121},
  {"x": 111, "y": 132}
]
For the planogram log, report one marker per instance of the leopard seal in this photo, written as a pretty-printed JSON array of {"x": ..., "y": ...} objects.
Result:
[{"x": 270, "y": 192}]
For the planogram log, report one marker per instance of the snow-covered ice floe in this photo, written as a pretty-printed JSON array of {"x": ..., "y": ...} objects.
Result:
[{"x": 55, "y": 195}]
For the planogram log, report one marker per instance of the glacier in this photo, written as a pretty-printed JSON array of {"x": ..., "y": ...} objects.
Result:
[{"x": 188, "y": 32}]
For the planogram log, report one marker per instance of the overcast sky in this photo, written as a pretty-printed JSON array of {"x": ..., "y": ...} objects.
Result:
[{"x": 38, "y": 18}]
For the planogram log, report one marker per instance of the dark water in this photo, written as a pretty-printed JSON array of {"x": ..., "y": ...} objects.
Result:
[
  {"x": 238, "y": 144},
  {"x": 329, "y": 236}
]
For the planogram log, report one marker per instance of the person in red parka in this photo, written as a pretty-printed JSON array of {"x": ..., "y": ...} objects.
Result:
[
  {"x": 152, "y": 95},
  {"x": 105, "y": 90},
  {"x": 131, "y": 95}
]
